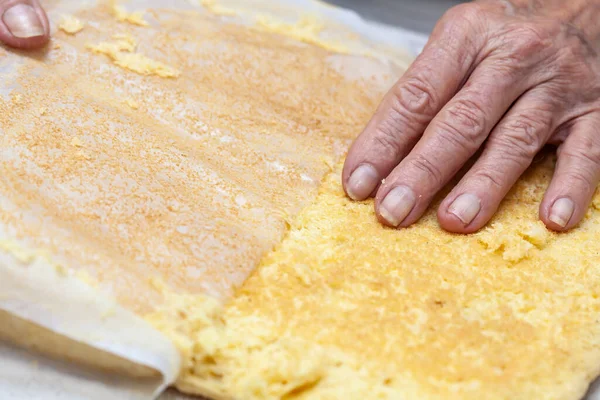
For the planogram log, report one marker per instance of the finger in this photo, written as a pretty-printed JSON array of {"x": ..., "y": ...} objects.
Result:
[
  {"x": 24, "y": 24},
  {"x": 453, "y": 136},
  {"x": 510, "y": 150},
  {"x": 408, "y": 107},
  {"x": 575, "y": 177}
]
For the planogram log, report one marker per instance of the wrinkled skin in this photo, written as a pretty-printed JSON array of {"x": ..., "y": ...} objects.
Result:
[{"x": 499, "y": 80}]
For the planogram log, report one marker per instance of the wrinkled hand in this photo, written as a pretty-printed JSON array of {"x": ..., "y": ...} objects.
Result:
[
  {"x": 23, "y": 24},
  {"x": 506, "y": 77}
]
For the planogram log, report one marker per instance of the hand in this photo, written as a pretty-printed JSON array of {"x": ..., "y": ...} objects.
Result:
[
  {"x": 507, "y": 77},
  {"x": 24, "y": 24}
]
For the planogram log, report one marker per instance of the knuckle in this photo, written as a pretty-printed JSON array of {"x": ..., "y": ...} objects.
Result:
[
  {"x": 586, "y": 151},
  {"x": 427, "y": 167},
  {"x": 579, "y": 177},
  {"x": 459, "y": 35},
  {"x": 468, "y": 114},
  {"x": 465, "y": 125},
  {"x": 526, "y": 45},
  {"x": 531, "y": 39},
  {"x": 467, "y": 12},
  {"x": 489, "y": 177},
  {"x": 523, "y": 136},
  {"x": 459, "y": 27},
  {"x": 415, "y": 98},
  {"x": 572, "y": 49},
  {"x": 575, "y": 52},
  {"x": 387, "y": 139}
]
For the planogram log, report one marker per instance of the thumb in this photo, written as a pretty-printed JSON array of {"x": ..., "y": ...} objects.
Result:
[{"x": 23, "y": 24}]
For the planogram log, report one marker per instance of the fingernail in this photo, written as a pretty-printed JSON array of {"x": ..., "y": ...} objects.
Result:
[
  {"x": 465, "y": 207},
  {"x": 362, "y": 182},
  {"x": 23, "y": 22},
  {"x": 398, "y": 203},
  {"x": 562, "y": 211}
]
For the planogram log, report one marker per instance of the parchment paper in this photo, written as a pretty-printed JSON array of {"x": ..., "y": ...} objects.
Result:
[
  {"x": 41, "y": 303},
  {"x": 38, "y": 299}
]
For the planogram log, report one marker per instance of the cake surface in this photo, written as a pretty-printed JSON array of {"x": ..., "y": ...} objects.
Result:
[
  {"x": 189, "y": 167},
  {"x": 346, "y": 309},
  {"x": 173, "y": 152}
]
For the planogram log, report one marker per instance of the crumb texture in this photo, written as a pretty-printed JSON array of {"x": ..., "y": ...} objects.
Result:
[
  {"x": 180, "y": 153},
  {"x": 508, "y": 313},
  {"x": 164, "y": 155},
  {"x": 70, "y": 25}
]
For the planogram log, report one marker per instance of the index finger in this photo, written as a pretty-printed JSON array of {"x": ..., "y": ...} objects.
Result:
[
  {"x": 406, "y": 110},
  {"x": 24, "y": 24}
]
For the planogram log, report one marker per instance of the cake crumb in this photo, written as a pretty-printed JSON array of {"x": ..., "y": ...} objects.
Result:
[
  {"x": 83, "y": 155},
  {"x": 134, "y": 18},
  {"x": 70, "y": 25},
  {"x": 132, "y": 103},
  {"x": 121, "y": 52},
  {"x": 217, "y": 9},
  {"x": 76, "y": 142},
  {"x": 61, "y": 270}
]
